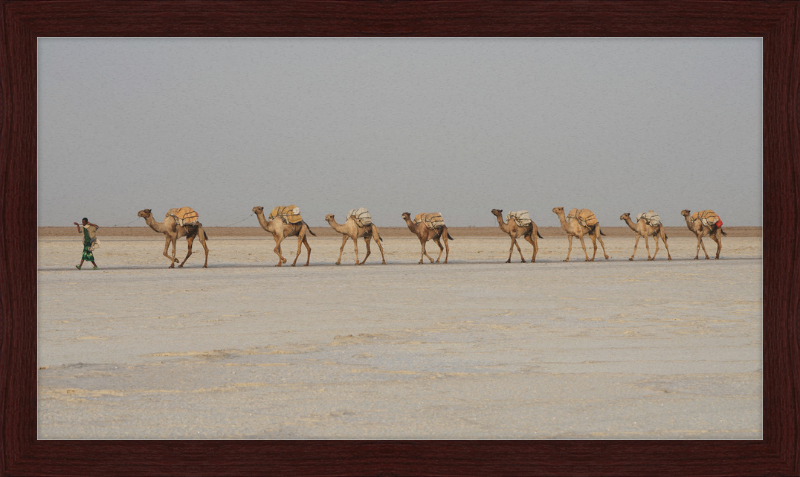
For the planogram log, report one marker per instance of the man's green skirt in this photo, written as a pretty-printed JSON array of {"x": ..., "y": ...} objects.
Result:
[{"x": 87, "y": 254}]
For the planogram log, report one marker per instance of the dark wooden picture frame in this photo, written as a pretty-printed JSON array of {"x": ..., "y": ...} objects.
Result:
[{"x": 22, "y": 22}]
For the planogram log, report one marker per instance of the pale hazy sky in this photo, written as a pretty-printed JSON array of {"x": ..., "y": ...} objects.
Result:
[{"x": 457, "y": 126}]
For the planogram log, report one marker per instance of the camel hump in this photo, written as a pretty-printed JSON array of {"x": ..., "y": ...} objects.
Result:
[
  {"x": 183, "y": 215},
  {"x": 708, "y": 217},
  {"x": 290, "y": 214},
  {"x": 361, "y": 216},
  {"x": 585, "y": 217},
  {"x": 651, "y": 218},
  {"x": 432, "y": 220},
  {"x": 521, "y": 217},
  {"x": 572, "y": 214}
]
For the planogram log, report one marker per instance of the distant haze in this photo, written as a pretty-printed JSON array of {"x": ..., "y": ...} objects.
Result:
[{"x": 457, "y": 126}]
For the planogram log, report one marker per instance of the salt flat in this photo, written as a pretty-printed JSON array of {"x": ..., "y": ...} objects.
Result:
[{"x": 476, "y": 349}]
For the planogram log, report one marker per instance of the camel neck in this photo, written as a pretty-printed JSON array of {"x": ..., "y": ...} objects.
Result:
[
  {"x": 262, "y": 220},
  {"x": 336, "y": 226},
  {"x": 157, "y": 226}
]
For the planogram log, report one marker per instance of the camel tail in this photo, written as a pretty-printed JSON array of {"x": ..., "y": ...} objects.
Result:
[
  {"x": 309, "y": 229},
  {"x": 205, "y": 235},
  {"x": 539, "y": 235},
  {"x": 723, "y": 232},
  {"x": 449, "y": 237},
  {"x": 601, "y": 232}
]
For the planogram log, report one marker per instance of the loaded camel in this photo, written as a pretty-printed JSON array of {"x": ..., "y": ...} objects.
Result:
[
  {"x": 424, "y": 234},
  {"x": 281, "y": 230},
  {"x": 173, "y": 231},
  {"x": 529, "y": 233},
  {"x": 643, "y": 229},
  {"x": 574, "y": 229},
  {"x": 700, "y": 230},
  {"x": 351, "y": 230}
]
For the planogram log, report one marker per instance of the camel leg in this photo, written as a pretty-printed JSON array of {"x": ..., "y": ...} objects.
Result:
[
  {"x": 569, "y": 237},
  {"x": 189, "y": 242},
  {"x": 511, "y": 250},
  {"x": 174, "y": 260},
  {"x": 701, "y": 244},
  {"x": 166, "y": 254},
  {"x": 664, "y": 239},
  {"x": 424, "y": 252},
  {"x": 308, "y": 250},
  {"x": 635, "y": 245},
  {"x": 174, "y": 245},
  {"x": 341, "y": 249},
  {"x": 299, "y": 247},
  {"x": 355, "y": 245},
  {"x": 600, "y": 239},
  {"x": 519, "y": 250},
  {"x": 655, "y": 238},
  {"x": 594, "y": 244},
  {"x": 369, "y": 252},
  {"x": 647, "y": 245},
  {"x": 583, "y": 244},
  {"x": 717, "y": 239},
  {"x": 301, "y": 239},
  {"x": 446, "y": 247},
  {"x": 378, "y": 241},
  {"x": 532, "y": 240},
  {"x": 439, "y": 243},
  {"x": 205, "y": 247},
  {"x": 277, "y": 250}
]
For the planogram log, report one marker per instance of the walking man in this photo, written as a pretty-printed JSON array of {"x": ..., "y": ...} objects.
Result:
[{"x": 89, "y": 239}]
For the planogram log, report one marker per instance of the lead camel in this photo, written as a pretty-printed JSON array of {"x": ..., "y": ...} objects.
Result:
[{"x": 173, "y": 231}]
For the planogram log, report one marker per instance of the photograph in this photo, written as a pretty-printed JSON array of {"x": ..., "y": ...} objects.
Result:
[{"x": 400, "y": 238}]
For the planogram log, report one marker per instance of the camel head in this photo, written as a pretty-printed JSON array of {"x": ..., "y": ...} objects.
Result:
[
  {"x": 626, "y": 215},
  {"x": 328, "y": 218},
  {"x": 558, "y": 210},
  {"x": 685, "y": 212},
  {"x": 145, "y": 213},
  {"x": 258, "y": 209},
  {"x": 406, "y": 215},
  {"x": 497, "y": 212}
]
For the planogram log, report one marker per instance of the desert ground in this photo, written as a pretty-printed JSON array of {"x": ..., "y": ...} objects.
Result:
[{"x": 475, "y": 349}]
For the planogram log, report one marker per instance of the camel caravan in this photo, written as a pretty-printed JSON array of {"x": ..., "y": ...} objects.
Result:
[{"x": 286, "y": 221}]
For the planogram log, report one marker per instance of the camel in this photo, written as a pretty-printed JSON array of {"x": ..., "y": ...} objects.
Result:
[
  {"x": 172, "y": 232},
  {"x": 700, "y": 230},
  {"x": 529, "y": 233},
  {"x": 281, "y": 230},
  {"x": 643, "y": 229},
  {"x": 424, "y": 234},
  {"x": 351, "y": 230},
  {"x": 575, "y": 229}
]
